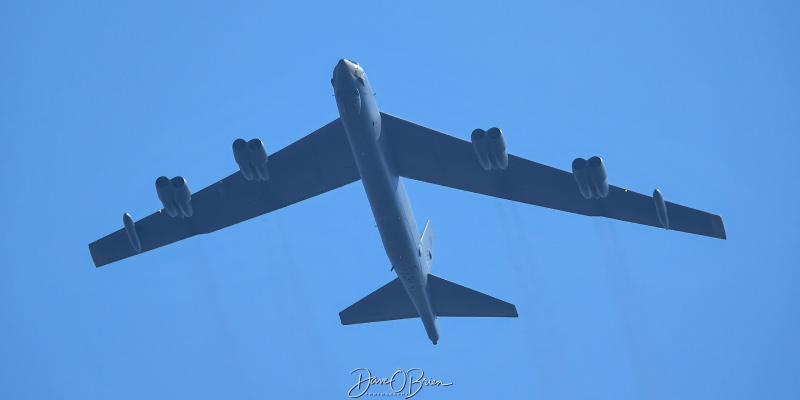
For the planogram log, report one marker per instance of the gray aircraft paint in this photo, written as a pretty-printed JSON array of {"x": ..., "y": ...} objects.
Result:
[
  {"x": 387, "y": 196},
  {"x": 379, "y": 148}
]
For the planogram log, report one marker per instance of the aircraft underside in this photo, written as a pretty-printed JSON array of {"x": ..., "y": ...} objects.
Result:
[{"x": 380, "y": 149}]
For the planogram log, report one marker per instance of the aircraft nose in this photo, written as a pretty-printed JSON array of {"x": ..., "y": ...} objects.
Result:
[{"x": 344, "y": 66}]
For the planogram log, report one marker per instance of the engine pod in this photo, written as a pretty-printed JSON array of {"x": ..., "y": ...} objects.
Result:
[
  {"x": 242, "y": 156},
  {"x": 164, "y": 192},
  {"x": 130, "y": 229},
  {"x": 581, "y": 174},
  {"x": 481, "y": 147},
  {"x": 598, "y": 177},
  {"x": 497, "y": 148},
  {"x": 661, "y": 208},
  {"x": 182, "y": 195},
  {"x": 258, "y": 159}
]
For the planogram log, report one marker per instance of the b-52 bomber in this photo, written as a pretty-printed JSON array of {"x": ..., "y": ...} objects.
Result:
[{"x": 380, "y": 149}]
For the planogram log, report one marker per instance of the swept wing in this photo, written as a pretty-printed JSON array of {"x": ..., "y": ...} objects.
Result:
[
  {"x": 315, "y": 164},
  {"x": 427, "y": 155}
]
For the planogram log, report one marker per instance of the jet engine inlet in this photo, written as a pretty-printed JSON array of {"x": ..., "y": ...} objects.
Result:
[
  {"x": 164, "y": 192},
  {"x": 242, "y": 157},
  {"x": 252, "y": 159},
  {"x": 481, "y": 146},
  {"x": 591, "y": 177},
  {"x": 599, "y": 177},
  {"x": 581, "y": 175},
  {"x": 258, "y": 158},
  {"x": 182, "y": 195},
  {"x": 497, "y": 148}
]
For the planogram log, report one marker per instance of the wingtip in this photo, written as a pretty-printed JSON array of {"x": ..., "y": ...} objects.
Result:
[
  {"x": 95, "y": 257},
  {"x": 719, "y": 228}
]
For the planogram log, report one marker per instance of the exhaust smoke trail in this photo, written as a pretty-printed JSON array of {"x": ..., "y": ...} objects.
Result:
[
  {"x": 632, "y": 318},
  {"x": 550, "y": 363}
]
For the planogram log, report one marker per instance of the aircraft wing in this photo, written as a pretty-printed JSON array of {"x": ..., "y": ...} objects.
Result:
[
  {"x": 427, "y": 155},
  {"x": 315, "y": 164}
]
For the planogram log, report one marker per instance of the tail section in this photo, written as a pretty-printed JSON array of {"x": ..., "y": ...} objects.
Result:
[
  {"x": 452, "y": 300},
  {"x": 385, "y": 304},
  {"x": 448, "y": 299},
  {"x": 441, "y": 298}
]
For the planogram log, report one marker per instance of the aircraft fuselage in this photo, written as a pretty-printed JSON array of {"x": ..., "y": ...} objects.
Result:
[
  {"x": 387, "y": 196},
  {"x": 378, "y": 148}
]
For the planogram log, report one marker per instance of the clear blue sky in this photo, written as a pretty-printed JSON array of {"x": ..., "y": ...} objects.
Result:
[{"x": 701, "y": 101}]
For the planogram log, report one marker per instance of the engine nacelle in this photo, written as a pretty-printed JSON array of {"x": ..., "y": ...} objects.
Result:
[
  {"x": 258, "y": 158},
  {"x": 580, "y": 172},
  {"x": 598, "y": 177},
  {"x": 591, "y": 177},
  {"x": 165, "y": 195},
  {"x": 481, "y": 146},
  {"x": 252, "y": 159},
  {"x": 182, "y": 194},
  {"x": 497, "y": 148},
  {"x": 242, "y": 156},
  {"x": 175, "y": 196}
]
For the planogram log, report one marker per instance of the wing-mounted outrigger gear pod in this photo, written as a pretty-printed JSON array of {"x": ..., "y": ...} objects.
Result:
[
  {"x": 130, "y": 229},
  {"x": 661, "y": 208}
]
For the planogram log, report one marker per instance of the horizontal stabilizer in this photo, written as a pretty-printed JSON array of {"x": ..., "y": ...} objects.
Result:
[
  {"x": 453, "y": 300},
  {"x": 385, "y": 304}
]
